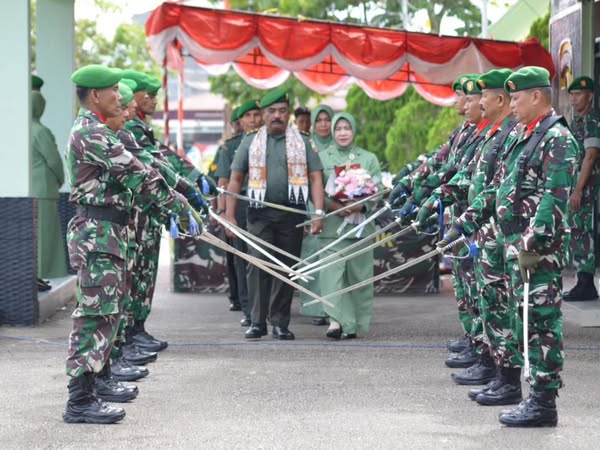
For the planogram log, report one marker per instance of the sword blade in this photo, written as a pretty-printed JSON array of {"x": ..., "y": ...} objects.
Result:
[
  {"x": 393, "y": 271},
  {"x": 268, "y": 204},
  {"x": 526, "y": 365},
  {"x": 211, "y": 239},
  {"x": 344, "y": 208}
]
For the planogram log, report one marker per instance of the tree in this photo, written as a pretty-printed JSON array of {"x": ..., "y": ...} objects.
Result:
[
  {"x": 540, "y": 29},
  {"x": 443, "y": 126}
]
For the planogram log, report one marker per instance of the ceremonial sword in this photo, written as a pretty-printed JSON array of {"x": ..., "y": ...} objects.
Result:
[{"x": 526, "y": 365}]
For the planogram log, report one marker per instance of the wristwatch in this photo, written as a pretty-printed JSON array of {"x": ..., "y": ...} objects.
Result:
[{"x": 320, "y": 212}]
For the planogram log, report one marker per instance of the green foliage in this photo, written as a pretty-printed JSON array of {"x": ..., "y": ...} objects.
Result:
[
  {"x": 443, "y": 126},
  {"x": 540, "y": 29},
  {"x": 373, "y": 118}
]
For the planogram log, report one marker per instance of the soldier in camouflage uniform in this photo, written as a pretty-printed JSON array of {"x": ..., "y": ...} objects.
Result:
[
  {"x": 529, "y": 203},
  {"x": 586, "y": 129},
  {"x": 106, "y": 180},
  {"x": 250, "y": 119}
]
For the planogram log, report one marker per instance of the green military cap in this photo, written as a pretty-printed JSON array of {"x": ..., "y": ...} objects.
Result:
[
  {"x": 457, "y": 85},
  {"x": 581, "y": 84},
  {"x": 95, "y": 76},
  {"x": 140, "y": 78},
  {"x": 494, "y": 79},
  {"x": 528, "y": 77},
  {"x": 250, "y": 105},
  {"x": 153, "y": 86},
  {"x": 126, "y": 93},
  {"x": 131, "y": 84},
  {"x": 275, "y": 96},
  {"x": 36, "y": 82},
  {"x": 234, "y": 114},
  {"x": 470, "y": 86}
]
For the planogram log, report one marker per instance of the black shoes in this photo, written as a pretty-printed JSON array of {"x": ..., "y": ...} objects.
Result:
[
  {"x": 137, "y": 356},
  {"x": 584, "y": 290},
  {"x": 465, "y": 359},
  {"x": 245, "y": 322},
  {"x": 320, "y": 321},
  {"x": 235, "y": 307},
  {"x": 43, "y": 285},
  {"x": 256, "y": 331},
  {"x": 459, "y": 345},
  {"x": 349, "y": 336},
  {"x": 143, "y": 339},
  {"x": 334, "y": 333},
  {"x": 481, "y": 372},
  {"x": 283, "y": 334},
  {"x": 123, "y": 370},
  {"x": 539, "y": 410},
  {"x": 505, "y": 389},
  {"x": 84, "y": 407},
  {"x": 111, "y": 390}
]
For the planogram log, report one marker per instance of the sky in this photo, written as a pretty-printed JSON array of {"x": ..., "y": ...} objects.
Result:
[{"x": 107, "y": 23}]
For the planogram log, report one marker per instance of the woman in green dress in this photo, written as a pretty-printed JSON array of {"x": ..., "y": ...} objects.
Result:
[
  {"x": 351, "y": 312},
  {"x": 321, "y": 136}
]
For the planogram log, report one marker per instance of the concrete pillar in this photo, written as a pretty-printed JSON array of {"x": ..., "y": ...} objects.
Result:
[
  {"x": 15, "y": 107},
  {"x": 55, "y": 61}
]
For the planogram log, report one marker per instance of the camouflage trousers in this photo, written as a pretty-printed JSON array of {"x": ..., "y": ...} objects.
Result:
[
  {"x": 100, "y": 293},
  {"x": 545, "y": 338},
  {"x": 496, "y": 309},
  {"x": 582, "y": 229},
  {"x": 145, "y": 271},
  {"x": 461, "y": 296}
]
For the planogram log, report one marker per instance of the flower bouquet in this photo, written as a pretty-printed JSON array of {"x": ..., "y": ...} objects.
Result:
[{"x": 350, "y": 183}]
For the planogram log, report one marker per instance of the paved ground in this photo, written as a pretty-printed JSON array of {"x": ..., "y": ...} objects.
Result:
[{"x": 211, "y": 389}]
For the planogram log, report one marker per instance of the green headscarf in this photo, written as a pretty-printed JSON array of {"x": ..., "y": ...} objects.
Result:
[
  {"x": 351, "y": 121},
  {"x": 320, "y": 142}
]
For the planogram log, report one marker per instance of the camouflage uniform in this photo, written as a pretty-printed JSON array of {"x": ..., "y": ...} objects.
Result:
[
  {"x": 104, "y": 175},
  {"x": 586, "y": 130},
  {"x": 531, "y": 215}
]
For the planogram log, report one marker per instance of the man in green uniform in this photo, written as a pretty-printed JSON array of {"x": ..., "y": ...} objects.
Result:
[
  {"x": 105, "y": 179},
  {"x": 47, "y": 176},
  {"x": 282, "y": 168},
  {"x": 586, "y": 129},
  {"x": 529, "y": 201},
  {"x": 250, "y": 119}
]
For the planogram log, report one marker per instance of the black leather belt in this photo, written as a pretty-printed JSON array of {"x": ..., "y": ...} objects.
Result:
[
  {"x": 100, "y": 213},
  {"x": 515, "y": 227}
]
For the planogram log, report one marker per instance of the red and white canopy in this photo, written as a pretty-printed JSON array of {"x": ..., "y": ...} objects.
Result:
[{"x": 326, "y": 56}]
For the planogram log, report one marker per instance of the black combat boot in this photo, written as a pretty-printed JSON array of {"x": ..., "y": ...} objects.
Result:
[
  {"x": 497, "y": 381},
  {"x": 458, "y": 345},
  {"x": 123, "y": 370},
  {"x": 84, "y": 407},
  {"x": 539, "y": 410},
  {"x": 146, "y": 341},
  {"x": 464, "y": 359},
  {"x": 481, "y": 372},
  {"x": 507, "y": 392},
  {"x": 111, "y": 390},
  {"x": 134, "y": 354},
  {"x": 584, "y": 290}
]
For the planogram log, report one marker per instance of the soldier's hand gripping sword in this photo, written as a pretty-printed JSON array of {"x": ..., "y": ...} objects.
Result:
[{"x": 437, "y": 251}]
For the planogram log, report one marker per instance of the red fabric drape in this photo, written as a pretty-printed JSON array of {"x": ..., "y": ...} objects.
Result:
[{"x": 264, "y": 50}]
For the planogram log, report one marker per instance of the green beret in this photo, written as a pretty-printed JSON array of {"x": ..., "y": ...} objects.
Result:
[
  {"x": 126, "y": 93},
  {"x": 234, "y": 115},
  {"x": 36, "y": 82},
  {"x": 470, "y": 86},
  {"x": 153, "y": 86},
  {"x": 527, "y": 78},
  {"x": 494, "y": 79},
  {"x": 275, "y": 96},
  {"x": 95, "y": 76},
  {"x": 250, "y": 105},
  {"x": 131, "y": 84},
  {"x": 581, "y": 84},
  {"x": 457, "y": 85},
  {"x": 140, "y": 78}
]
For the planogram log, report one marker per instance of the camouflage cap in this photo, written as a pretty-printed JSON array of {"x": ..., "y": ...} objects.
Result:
[
  {"x": 249, "y": 106},
  {"x": 494, "y": 79},
  {"x": 36, "y": 82},
  {"x": 275, "y": 96},
  {"x": 470, "y": 86},
  {"x": 96, "y": 76},
  {"x": 153, "y": 86},
  {"x": 457, "y": 85},
  {"x": 140, "y": 78},
  {"x": 581, "y": 84},
  {"x": 126, "y": 93},
  {"x": 528, "y": 77}
]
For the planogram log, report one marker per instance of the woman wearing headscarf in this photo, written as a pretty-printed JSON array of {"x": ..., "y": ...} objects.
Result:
[
  {"x": 351, "y": 312},
  {"x": 320, "y": 119}
]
